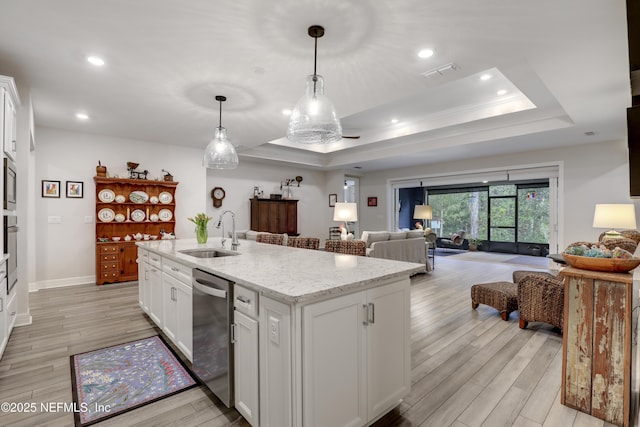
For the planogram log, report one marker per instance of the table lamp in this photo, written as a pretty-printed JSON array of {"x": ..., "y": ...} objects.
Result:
[
  {"x": 347, "y": 212},
  {"x": 423, "y": 212},
  {"x": 614, "y": 216}
]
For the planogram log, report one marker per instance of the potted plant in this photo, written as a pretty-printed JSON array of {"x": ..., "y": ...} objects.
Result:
[{"x": 474, "y": 242}]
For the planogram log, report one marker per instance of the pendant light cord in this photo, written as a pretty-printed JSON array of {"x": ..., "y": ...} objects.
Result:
[
  {"x": 315, "y": 62},
  {"x": 220, "y": 119}
]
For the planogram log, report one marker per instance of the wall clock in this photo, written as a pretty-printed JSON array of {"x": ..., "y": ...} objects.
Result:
[{"x": 217, "y": 194}]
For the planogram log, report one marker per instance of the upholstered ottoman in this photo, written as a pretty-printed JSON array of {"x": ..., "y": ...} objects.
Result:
[{"x": 503, "y": 296}]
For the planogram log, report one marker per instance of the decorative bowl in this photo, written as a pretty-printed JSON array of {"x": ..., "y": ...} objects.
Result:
[
  {"x": 615, "y": 265},
  {"x": 115, "y": 238},
  {"x": 132, "y": 165}
]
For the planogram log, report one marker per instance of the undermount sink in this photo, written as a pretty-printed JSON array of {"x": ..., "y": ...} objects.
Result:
[{"x": 207, "y": 253}]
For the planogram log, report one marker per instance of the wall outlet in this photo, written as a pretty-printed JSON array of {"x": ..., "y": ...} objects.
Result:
[
  {"x": 274, "y": 330},
  {"x": 54, "y": 220}
]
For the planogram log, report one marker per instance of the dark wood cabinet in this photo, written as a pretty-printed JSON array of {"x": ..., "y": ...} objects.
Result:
[
  {"x": 275, "y": 216},
  {"x": 119, "y": 214}
]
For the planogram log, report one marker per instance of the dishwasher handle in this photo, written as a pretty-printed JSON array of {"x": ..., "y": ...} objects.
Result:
[{"x": 219, "y": 293}]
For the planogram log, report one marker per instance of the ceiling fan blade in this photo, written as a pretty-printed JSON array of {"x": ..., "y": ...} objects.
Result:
[{"x": 351, "y": 137}]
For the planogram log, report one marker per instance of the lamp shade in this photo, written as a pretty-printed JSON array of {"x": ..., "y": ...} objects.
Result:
[
  {"x": 314, "y": 119},
  {"x": 345, "y": 212},
  {"x": 614, "y": 216},
  {"x": 220, "y": 153},
  {"x": 423, "y": 212}
]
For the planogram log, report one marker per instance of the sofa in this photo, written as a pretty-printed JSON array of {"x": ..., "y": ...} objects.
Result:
[{"x": 400, "y": 246}]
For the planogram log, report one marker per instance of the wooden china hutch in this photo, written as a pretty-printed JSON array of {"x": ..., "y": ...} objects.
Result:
[{"x": 129, "y": 207}]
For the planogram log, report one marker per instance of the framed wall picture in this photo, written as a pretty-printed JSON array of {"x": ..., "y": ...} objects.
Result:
[
  {"x": 333, "y": 198},
  {"x": 372, "y": 201},
  {"x": 75, "y": 190},
  {"x": 50, "y": 188}
]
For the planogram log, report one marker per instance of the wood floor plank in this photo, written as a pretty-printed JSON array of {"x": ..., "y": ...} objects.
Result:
[{"x": 468, "y": 366}]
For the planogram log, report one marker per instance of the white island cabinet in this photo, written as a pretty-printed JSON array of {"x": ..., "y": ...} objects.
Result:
[{"x": 319, "y": 339}]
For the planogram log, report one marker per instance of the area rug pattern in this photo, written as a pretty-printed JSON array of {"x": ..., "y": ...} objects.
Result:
[{"x": 116, "y": 379}]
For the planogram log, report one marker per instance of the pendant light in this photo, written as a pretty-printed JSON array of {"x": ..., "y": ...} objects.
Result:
[
  {"x": 220, "y": 153},
  {"x": 313, "y": 119}
]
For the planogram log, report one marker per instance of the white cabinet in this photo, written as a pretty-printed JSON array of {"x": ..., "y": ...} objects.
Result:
[
  {"x": 246, "y": 355},
  {"x": 10, "y": 103},
  {"x": 170, "y": 306},
  {"x": 155, "y": 295},
  {"x": 4, "y": 330},
  {"x": 165, "y": 294},
  {"x": 356, "y": 356},
  {"x": 12, "y": 311},
  {"x": 177, "y": 305},
  {"x": 143, "y": 279}
]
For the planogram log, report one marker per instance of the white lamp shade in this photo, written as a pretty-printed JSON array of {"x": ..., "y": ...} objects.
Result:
[
  {"x": 314, "y": 119},
  {"x": 345, "y": 212},
  {"x": 220, "y": 153},
  {"x": 423, "y": 212},
  {"x": 614, "y": 216}
]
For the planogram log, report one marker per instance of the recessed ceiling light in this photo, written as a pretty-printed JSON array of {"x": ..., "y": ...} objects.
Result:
[
  {"x": 394, "y": 121},
  {"x": 82, "y": 116},
  {"x": 286, "y": 112},
  {"x": 501, "y": 92},
  {"x": 426, "y": 53},
  {"x": 485, "y": 181},
  {"x": 485, "y": 76},
  {"x": 95, "y": 60}
]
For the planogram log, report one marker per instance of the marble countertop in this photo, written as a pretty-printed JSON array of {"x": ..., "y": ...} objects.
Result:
[{"x": 290, "y": 275}]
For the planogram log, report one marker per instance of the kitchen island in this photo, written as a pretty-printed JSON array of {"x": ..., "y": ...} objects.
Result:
[{"x": 322, "y": 338}]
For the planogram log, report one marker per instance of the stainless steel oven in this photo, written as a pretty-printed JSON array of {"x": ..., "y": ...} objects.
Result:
[
  {"x": 11, "y": 248},
  {"x": 10, "y": 188}
]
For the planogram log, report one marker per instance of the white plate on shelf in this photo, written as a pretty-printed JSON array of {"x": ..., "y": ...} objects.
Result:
[
  {"x": 153, "y": 199},
  {"x": 106, "y": 196},
  {"x": 138, "y": 197},
  {"x": 120, "y": 217},
  {"x": 153, "y": 217},
  {"x": 137, "y": 215},
  {"x": 165, "y": 215},
  {"x": 120, "y": 198},
  {"x": 106, "y": 215},
  {"x": 165, "y": 197}
]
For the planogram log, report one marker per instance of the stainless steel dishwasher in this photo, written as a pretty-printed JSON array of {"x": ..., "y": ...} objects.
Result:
[{"x": 212, "y": 349}]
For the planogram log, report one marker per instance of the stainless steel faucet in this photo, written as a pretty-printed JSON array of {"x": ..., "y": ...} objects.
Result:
[{"x": 234, "y": 236}]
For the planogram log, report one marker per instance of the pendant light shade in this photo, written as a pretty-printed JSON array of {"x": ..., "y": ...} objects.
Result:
[
  {"x": 314, "y": 119},
  {"x": 220, "y": 153}
]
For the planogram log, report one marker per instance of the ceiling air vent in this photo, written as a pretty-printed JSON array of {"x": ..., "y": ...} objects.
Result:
[{"x": 441, "y": 71}]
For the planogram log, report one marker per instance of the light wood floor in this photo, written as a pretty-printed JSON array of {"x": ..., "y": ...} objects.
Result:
[{"x": 469, "y": 368}]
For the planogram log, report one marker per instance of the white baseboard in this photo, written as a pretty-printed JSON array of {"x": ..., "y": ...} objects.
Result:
[
  {"x": 58, "y": 283},
  {"x": 23, "y": 319}
]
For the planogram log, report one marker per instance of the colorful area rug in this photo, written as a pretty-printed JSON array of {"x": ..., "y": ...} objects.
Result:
[{"x": 113, "y": 380}]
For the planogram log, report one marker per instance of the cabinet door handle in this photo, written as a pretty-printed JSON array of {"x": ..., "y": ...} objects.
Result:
[
  {"x": 243, "y": 299},
  {"x": 366, "y": 314},
  {"x": 371, "y": 313},
  {"x": 233, "y": 333},
  {"x": 1, "y": 305},
  {"x": 175, "y": 269}
]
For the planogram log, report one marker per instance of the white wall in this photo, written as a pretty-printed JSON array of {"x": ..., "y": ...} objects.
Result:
[
  {"x": 314, "y": 214},
  {"x": 65, "y": 252},
  {"x": 594, "y": 173}
]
